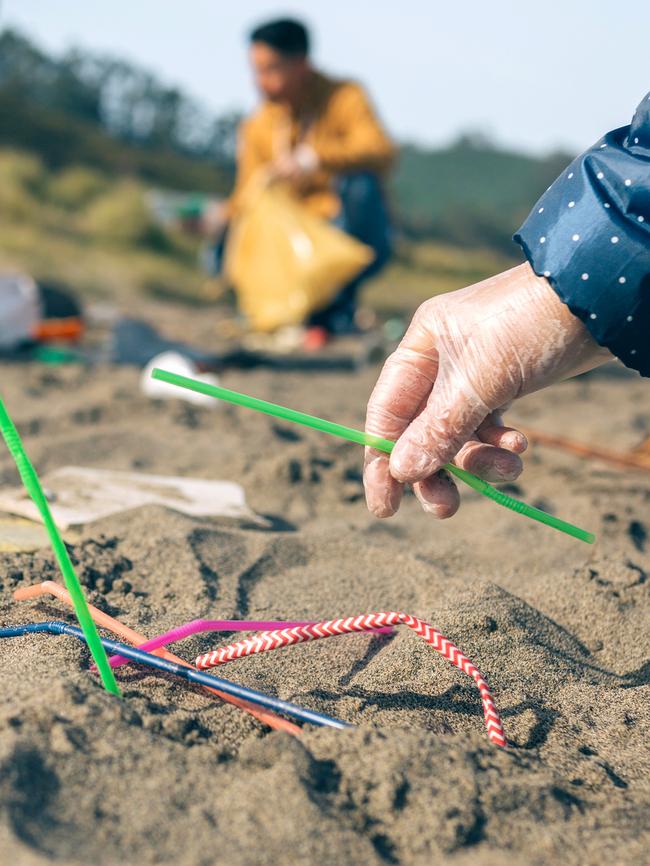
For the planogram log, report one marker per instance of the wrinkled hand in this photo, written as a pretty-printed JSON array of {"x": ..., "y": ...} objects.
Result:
[{"x": 464, "y": 358}]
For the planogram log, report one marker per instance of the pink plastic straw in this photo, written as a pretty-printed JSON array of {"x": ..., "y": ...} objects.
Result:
[{"x": 197, "y": 626}]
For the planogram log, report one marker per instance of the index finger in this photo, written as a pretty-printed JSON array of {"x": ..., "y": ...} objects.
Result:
[
  {"x": 404, "y": 383},
  {"x": 401, "y": 392}
]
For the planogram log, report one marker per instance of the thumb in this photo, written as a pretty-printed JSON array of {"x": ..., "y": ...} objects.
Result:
[{"x": 450, "y": 417}]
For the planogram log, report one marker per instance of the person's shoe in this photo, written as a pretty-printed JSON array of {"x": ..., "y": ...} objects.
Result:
[{"x": 316, "y": 338}]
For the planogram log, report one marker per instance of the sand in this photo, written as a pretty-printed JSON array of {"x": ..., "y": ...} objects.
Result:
[{"x": 171, "y": 775}]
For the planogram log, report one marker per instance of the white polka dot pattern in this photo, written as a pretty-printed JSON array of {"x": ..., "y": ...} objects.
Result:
[{"x": 589, "y": 235}]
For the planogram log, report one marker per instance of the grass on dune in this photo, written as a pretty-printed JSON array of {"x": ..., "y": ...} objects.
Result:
[{"x": 96, "y": 234}]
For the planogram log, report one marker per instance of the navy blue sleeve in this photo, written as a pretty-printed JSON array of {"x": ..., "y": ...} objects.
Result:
[{"x": 589, "y": 235}]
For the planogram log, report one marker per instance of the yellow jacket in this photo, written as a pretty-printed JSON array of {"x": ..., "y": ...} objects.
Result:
[{"x": 336, "y": 119}]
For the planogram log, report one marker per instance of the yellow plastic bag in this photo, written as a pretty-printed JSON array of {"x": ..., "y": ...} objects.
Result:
[{"x": 284, "y": 262}]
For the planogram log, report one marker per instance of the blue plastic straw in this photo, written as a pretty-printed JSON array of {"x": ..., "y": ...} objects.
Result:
[{"x": 251, "y": 695}]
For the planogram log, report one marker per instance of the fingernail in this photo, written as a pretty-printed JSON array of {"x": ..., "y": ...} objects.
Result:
[
  {"x": 507, "y": 468},
  {"x": 515, "y": 441},
  {"x": 380, "y": 504},
  {"x": 408, "y": 462},
  {"x": 383, "y": 495},
  {"x": 499, "y": 469},
  {"x": 440, "y": 508}
]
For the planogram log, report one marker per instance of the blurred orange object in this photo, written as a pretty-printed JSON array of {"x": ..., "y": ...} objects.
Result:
[
  {"x": 638, "y": 458},
  {"x": 71, "y": 329}
]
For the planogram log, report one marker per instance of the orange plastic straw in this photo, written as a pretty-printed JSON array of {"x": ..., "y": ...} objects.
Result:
[
  {"x": 50, "y": 587},
  {"x": 636, "y": 459}
]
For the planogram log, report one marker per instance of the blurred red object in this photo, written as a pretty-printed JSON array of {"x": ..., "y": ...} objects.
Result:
[{"x": 315, "y": 338}]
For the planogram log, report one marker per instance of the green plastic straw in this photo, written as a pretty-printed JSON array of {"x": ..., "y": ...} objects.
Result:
[
  {"x": 35, "y": 491},
  {"x": 377, "y": 442}
]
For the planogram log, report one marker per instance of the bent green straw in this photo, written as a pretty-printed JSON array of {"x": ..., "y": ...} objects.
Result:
[
  {"x": 35, "y": 491},
  {"x": 377, "y": 442}
]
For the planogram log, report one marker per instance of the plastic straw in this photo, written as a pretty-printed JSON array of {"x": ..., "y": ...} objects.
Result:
[
  {"x": 199, "y": 626},
  {"x": 276, "y": 639},
  {"x": 35, "y": 491},
  {"x": 368, "y": 439},
  {"x": 186, "y": 673},
  {"x": 50, "y": 587},
  {"x": 637, "y": 458}
]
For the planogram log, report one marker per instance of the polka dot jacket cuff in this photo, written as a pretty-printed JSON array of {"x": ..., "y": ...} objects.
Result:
[{"x": 589, "y": 235}]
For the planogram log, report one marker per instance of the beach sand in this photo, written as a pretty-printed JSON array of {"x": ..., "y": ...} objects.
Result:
[{"x": 172, "y": 775}]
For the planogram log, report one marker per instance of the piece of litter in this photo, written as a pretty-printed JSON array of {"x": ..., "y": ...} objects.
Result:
[
  {"x": 80, "y": 495},
  {"x": 368, "y": 439},
  {"x": 243, "y": 693},
  {"x": 32, "y": 485},
  {"x": 184, "y": 366},
  {"x": 50, "y": 587},
  {"x": 19, "y": 535},
  {"x": 20, "y": 309},
  {"x": 270, "y": 640},
  {"x": 199, "y": 626}
]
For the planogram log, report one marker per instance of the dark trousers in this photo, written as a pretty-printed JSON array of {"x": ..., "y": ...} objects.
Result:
[{"x": 363, "y": 215}]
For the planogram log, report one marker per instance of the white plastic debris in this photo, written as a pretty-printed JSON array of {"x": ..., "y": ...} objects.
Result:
[
  {"x": 174, "y": 362},
  {"x": 20, "y": 309},
  {"x": 80, "y": 495}
]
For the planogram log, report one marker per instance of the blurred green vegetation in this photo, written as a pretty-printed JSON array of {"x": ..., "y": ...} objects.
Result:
[
  {"x": 84, "y": 137},
  {"x": 470, "y": 193},
  {"x": 81, "y": 228},
  {"x": 99, "y": 236},
  {"x": 423, "y": 268}
]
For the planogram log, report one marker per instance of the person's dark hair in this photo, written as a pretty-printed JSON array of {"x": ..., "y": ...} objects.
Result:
[{"x": 286, "y": 35}]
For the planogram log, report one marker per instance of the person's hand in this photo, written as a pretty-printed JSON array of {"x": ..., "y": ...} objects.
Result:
[
  {"x": 296, "y": 164},
  {"x": 214, "y": 220},
  {"x": 464, "y": 358}
]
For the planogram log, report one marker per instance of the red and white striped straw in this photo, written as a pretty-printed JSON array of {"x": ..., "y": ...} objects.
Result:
[{"x": 270, "y": 640}]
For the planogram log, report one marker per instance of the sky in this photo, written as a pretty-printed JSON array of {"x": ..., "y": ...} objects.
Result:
[{"x": 534, "y": 75}]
